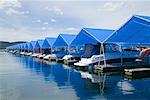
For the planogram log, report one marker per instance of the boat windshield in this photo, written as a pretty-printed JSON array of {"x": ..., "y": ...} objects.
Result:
[{"x": 91, "y": 50}]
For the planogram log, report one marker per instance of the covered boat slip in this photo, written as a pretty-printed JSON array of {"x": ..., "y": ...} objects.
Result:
[
  {"x": 21, "y": 48},
  {"x": 134, "y": 33},
  {"x": 14, "y": 49},
  {"x": 32, "y": 45},
  {"x": 126, "y": 47},
  {"x": 27, "y": 49},
  {"x": 38, "y": 49},
  {"x": 92, "y": 38},
  {"x": 62, "y": 46},
  {"x": 47, "y": 47}
]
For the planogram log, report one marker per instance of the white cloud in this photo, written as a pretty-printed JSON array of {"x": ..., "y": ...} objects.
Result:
[
  {"x": 112, "y": 6},
  {"x": 58, "y": 11},
  {"x": 9, "y": 3},
  {"x": 27, "y": 12},
  {"x": 53, "y": 20},
  {"x": 55, "y": 10},
  {"x": 45, "y": 23},
  {"x": 99, "y": 14},
  {"x": 23, "y": 34},
  {"x": 12, "y": 11},
  {"x": 37, "y": 21},
  {"x": 71, "y": 29},
  {"x": 43, "y": 28},
  {"x": 10, "y": 6}
]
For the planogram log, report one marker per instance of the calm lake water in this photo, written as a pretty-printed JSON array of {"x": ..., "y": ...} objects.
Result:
[{"x": 26, "y": 78}]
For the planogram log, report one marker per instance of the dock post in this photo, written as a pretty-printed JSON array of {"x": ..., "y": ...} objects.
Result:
[
  {"x": 121, "y": 55},
  {"x": 104, "y": 54},
  {"x": 100, "y": 54}
]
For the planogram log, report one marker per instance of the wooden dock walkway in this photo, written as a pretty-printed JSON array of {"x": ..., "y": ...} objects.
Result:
[{"x": 136, "y": 73}]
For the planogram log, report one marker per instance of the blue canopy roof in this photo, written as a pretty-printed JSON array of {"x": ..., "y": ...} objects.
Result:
[
  {"x": 32, "y": 44},
  {"x": 22, "y": 45},
  {"x": 64, "y": 40},
  {"x": 39, "y": 44},
  {"x": 27, "y": 45},
  {"x": 16, "y": 46},
  {"x": 144, "y": 17},
  {"x": 136, "y": 30},
  {"x": 12, "y": 47},
  {"x": 48, "y": 42},
  {"x": 91, "y": 36}
]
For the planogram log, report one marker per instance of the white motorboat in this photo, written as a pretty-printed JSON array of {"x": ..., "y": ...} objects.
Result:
[
  {"x": 70, "y": 59},
  {"x": 22, "y": 53},
  {"x": 47, "y": 57},
  {"x": 35, "y": 54},
  {"x": 15, "y": 51},
  {"x": 57, "y": 56},
  {"x": 88, "y": 61},
  {"x": 110, "y": 57},
  {"x": 29, "y": 53},
  {"x": 41, "y": 56}
]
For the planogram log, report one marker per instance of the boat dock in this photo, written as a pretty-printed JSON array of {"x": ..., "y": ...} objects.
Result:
[
  {"x": 108, "y": 68},
  {"x": 137, "y": 73},
  {"x": 118, "y": 67}
]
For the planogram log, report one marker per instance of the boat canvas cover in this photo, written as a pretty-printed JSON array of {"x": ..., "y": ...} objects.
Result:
[
  {"x": 64, "y": 40},
  {"x": 91, "y": 36},
  {"x": 48, "y": 42},
  {"x": 39, "y": 44},
  {"x": 134, "y": 31}
]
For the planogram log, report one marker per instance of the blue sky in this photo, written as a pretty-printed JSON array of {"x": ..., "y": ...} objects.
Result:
[{"x": 36, "y": 19}]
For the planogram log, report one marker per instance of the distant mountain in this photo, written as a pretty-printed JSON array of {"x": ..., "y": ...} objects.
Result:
[{"x": 4, "y": 44}]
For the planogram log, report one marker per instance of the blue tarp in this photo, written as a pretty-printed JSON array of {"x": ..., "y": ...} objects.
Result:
[
  {"x": 91, "y": 36},
  {"x": 64, "y": 40},
  {"x": 39, "y": 44},
  {"x": 135, "y": 31},
  {"x": 48, "y": 42}
]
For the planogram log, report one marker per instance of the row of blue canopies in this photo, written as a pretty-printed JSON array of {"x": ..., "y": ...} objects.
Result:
[
  {"x": 95, "y": 46},
  {"x": 135, "y": 31}
]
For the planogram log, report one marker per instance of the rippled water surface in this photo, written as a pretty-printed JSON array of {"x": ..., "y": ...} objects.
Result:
[{"x": 26, "y": 78}]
